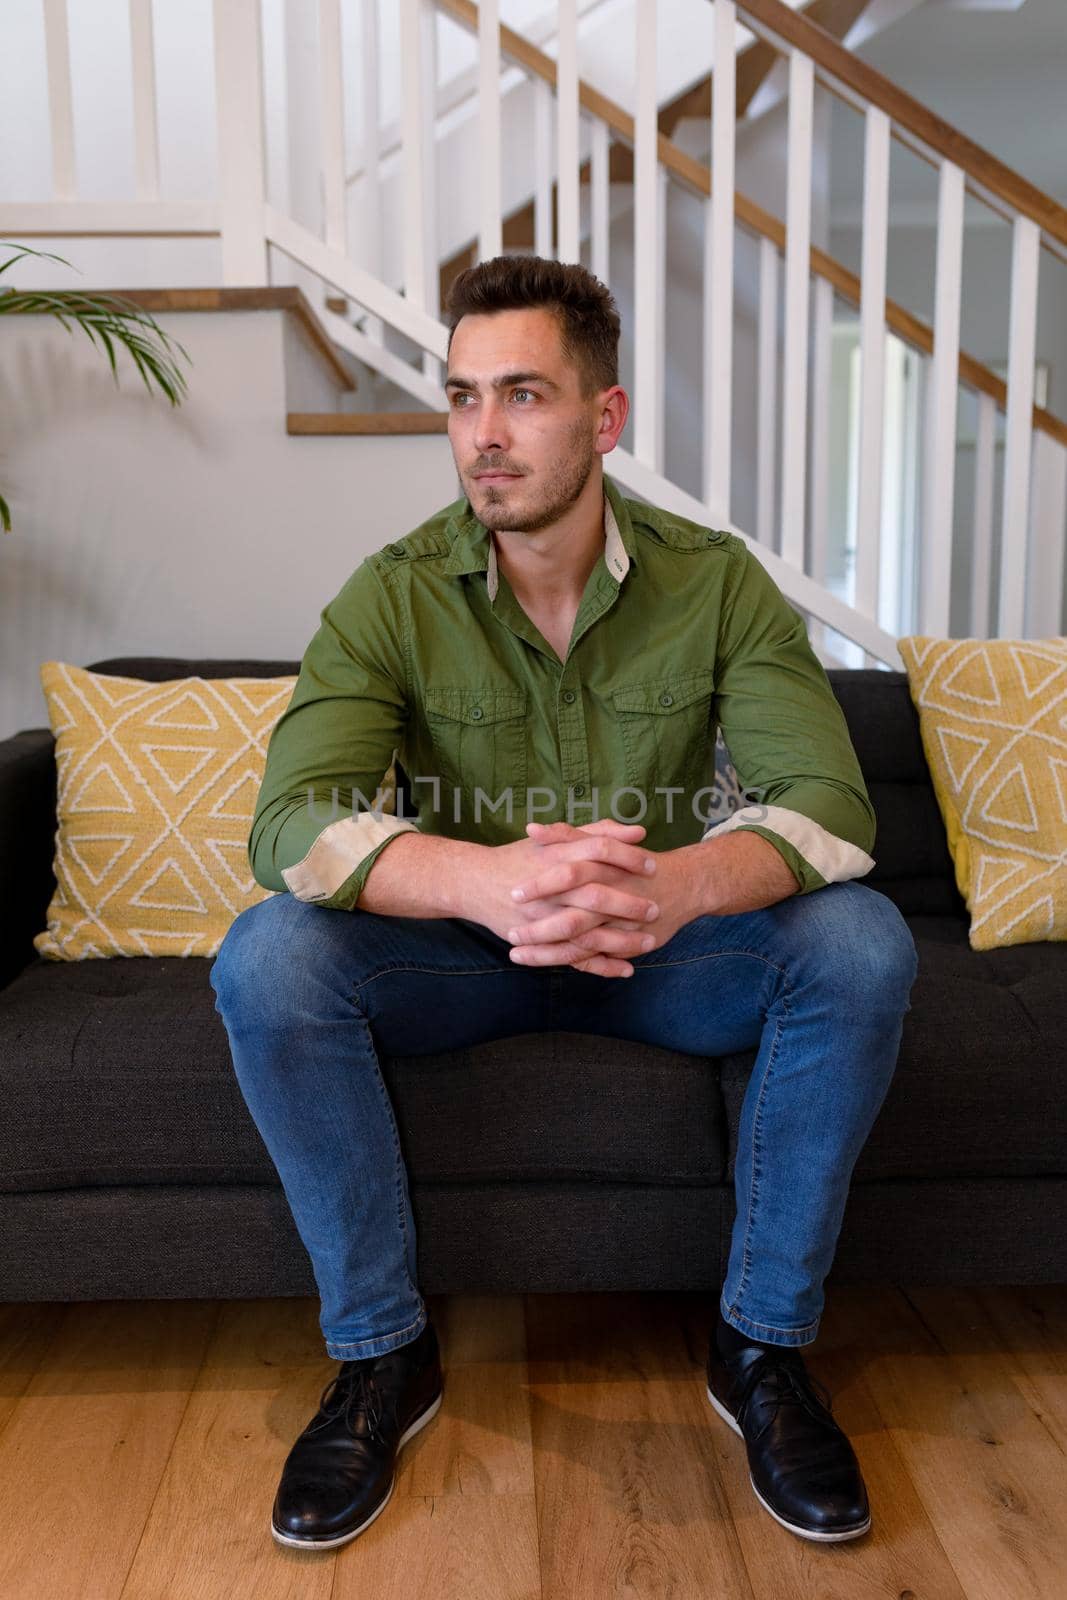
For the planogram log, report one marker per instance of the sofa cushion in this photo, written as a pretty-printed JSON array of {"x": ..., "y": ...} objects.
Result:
[
  {"x": 157, "y": 784},
  {"x": 912, "y": 864},
  {"x": 993, "y": 715},
  {"x": 119, "y": 1072},
  {"x": 982, "y": 1073}
]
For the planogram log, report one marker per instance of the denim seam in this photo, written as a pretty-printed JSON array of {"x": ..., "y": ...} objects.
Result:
[
  {"x": 435, "y": 972},
  {"x": 643, "y": 963},
  {"x": 769, "y": 1327},
  {"x": 358, "y": 1344},
  {"x": 755, "y": 955},
  {"x": 401, "y": 1218},
  {"x": 753, "y": 1187}
]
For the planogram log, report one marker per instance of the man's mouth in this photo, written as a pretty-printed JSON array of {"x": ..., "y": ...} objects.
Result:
[{"x": 496, "y": 477}]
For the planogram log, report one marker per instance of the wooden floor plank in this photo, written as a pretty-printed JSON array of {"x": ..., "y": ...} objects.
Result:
[
  {"x": 257, "y": 1388},
  {"x": 453, "y": 1547},
  {"x": 1032, "y": 1324},
  {"x": 990, "y": 1477},
  {"x": 575, "y": 1454},
  {"x": 88, "y": 1441},
  {"x": 480, "y": 1441},
  {"x": 900, "y": 1555},
  {"x": 463, "y": 1519},
  {"x": 26, "y": 1335},
  {"x": 629, "y": 1495}
]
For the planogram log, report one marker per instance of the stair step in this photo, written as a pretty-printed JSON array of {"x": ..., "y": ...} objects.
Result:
[{"x": 366, "y": 422}]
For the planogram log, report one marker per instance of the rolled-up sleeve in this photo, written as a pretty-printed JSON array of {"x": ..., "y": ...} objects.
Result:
[
  {"x": 787, "y": 735},
  {"x": 320, "y": 821}
]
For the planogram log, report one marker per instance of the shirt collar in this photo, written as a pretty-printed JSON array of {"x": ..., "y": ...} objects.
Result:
[{"x": 474, "y": 551}]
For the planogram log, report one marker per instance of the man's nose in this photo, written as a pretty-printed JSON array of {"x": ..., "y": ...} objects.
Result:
[{"x": 491, "y": 430}]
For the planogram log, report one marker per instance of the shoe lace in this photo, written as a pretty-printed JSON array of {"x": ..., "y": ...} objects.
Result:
[
  {"x": 350, "y": 1393},
  {"x": 789, "y": 1384}
]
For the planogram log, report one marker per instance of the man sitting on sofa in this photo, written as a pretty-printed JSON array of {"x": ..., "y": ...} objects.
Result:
[{"x": 547, "y": 646}]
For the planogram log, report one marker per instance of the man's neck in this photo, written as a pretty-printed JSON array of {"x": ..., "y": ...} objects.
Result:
[{"x": 549, "y": 569}]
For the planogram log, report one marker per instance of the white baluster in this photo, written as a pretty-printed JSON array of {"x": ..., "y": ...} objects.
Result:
[
  {"x": 1026, "y": 239},
  {"x": 60, "y": 100},
  {"x": 660, "y": 414},
  {"x": 600, "y": 199},
  {"x": 413, "y": 90},
  {"x": 370, "y": 247},
  {"x": 145, "y": 121},
  {"x": 648, "y": 223},
  {"x": 872, "y": 362},
  {"x": 767, "y": 394},
  {"x": 543, "y": 116},
  {"x": 490, "y": 234},
  {"x": 940, "y": 458},
  {"x": 419, "y": 93},
  {"x": 821, "y": 364},
  {"x": 797, "y": 280},
  {"x": 719, "y": 267},
  {"x": 332, "y": 127},
  {"x": 982, "y": 535},
  {"x": 239, "y": 118},
  {"x": 1048, "y": 511},
  {"x": 568, "y": 198}
]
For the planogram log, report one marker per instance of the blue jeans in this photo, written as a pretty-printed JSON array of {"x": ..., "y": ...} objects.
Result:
[{"x": 818, "y": 982}]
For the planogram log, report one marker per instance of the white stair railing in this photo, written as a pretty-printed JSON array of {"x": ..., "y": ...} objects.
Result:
[{"x": 569, "y": 124}]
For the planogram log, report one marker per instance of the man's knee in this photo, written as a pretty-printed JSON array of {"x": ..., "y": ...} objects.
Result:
[
  {"x": 860, "y": 941},
  {"x": 266, "y": 953}
]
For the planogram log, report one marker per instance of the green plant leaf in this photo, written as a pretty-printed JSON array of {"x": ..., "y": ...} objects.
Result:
[
  {"x": 26, "y": 250},
  {"x": 112, "y": 321}
]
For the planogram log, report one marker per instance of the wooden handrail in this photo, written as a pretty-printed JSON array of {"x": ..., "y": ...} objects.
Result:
[
  {"x": 697, "y": 177},
  {"x": 755, "y": 63},
  {"x": 797, "y": 29}
]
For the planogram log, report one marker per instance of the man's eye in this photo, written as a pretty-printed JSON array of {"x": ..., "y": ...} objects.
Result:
[
  {"x": 458, "y": 399},
  {"x": 527, "y": 392}
]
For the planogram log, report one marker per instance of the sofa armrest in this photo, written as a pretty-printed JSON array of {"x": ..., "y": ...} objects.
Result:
[{"x": 27, "y": 843}]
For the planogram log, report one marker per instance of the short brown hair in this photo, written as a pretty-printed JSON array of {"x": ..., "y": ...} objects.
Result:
[{"x": 585, "y": 310}]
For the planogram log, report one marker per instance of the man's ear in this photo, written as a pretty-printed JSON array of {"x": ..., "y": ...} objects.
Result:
[{"x": 614, "y": 406}]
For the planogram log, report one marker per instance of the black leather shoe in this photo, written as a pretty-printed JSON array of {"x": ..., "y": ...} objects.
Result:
[
  {"x": 802, "y": 1467},
  {"x": 341, "y": 1471}
]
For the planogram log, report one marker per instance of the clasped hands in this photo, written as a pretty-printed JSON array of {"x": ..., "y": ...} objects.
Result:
[{"x": 593, "y": 898}]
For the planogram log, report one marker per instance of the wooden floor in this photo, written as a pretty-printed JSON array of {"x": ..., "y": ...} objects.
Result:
[{"x": 575, "y": 1454}]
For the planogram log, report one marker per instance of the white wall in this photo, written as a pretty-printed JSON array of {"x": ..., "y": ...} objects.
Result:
[{"x": 205, "y": 531}]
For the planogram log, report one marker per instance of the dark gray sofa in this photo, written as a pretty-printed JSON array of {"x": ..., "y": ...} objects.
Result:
[{"x": 130, "y": 1167}]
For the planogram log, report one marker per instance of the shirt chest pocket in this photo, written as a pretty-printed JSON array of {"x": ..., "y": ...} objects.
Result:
[
  {"x": 479, "y": 736},
  {"x": 666, "y": 730}
]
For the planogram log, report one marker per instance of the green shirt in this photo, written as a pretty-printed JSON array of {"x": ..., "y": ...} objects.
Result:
[{"x": 426, "y": 654}]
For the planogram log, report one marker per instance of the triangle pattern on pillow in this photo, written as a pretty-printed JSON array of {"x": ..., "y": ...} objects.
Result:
[{"x": 157, "y": 787}]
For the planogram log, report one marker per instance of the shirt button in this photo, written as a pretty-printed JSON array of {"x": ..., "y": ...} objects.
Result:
[
  {"x": 666, "y": 699},
  {"x": 476, "y": 713},
  {"x": 579, "y": 788},
  {"x": 569, "y": 696}
]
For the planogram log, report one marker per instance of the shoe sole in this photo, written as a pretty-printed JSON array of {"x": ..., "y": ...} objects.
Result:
[
  {"x": 331, "y": 1544},
  {"x": 805, "y": 1533}
]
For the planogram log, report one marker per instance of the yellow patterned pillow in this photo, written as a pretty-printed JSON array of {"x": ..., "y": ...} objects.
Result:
[
  {"x": 993, "y": 721},
  {"x": 157, "y": 786}
]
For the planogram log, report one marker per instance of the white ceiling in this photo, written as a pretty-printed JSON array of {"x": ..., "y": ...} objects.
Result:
[{"x": 998, "y": 76}]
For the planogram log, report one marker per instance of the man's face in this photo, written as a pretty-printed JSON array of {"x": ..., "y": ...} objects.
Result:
[{"x": 524, "y": 438}]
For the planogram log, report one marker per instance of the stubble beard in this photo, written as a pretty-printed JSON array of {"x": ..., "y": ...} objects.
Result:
[{"x": 562, "y": 489}]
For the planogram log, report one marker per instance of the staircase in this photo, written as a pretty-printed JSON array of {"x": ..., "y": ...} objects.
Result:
[{"x": 776, "y": 390}]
